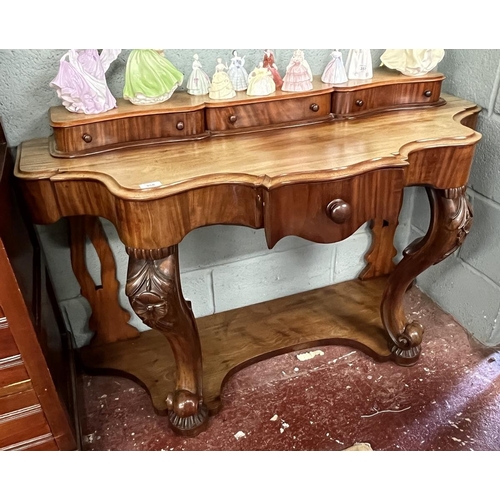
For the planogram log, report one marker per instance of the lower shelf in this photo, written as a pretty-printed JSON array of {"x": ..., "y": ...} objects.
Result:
[{"x": 345, "y": 314}]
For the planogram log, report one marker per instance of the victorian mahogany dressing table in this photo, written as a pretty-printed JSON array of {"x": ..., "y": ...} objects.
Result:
[{"x": 316, "y": 165}]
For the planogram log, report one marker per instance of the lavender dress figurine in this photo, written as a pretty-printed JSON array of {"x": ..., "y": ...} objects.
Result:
[
  {"x": 334, "y": 71},
  {"x": 237, "y": 72},
  {"x": 81, "y": 80}
]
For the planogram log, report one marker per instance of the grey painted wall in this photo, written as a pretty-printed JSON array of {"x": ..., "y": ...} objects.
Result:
[
  {"x": 467, "y": 284},
  {"x": 225, "y": 267}
]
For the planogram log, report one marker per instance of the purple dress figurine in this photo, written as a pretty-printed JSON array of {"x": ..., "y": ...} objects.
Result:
[{"x": 81, "y": 80}]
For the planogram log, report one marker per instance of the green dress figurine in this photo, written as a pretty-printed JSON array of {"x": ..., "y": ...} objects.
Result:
[{"x": 150, "y": 78}]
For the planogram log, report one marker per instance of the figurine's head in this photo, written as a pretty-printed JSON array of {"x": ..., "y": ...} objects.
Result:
[
  {"x": 235, "y": 54},
  {"x": 219, "y": 60},
  {"x": 195, "y": 57}
]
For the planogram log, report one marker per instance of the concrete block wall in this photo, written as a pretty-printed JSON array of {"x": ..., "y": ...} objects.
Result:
[
  {"x": 467, "y": 284},
  {"x": 223, "y": 267}
]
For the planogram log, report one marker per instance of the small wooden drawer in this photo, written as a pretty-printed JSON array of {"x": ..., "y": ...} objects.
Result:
[
  {"x": 385, "y": 97},
  {"x": 330, "y": 211},
  {"x": 123, "y": 132},
  {"x": 267, "y": 113}
]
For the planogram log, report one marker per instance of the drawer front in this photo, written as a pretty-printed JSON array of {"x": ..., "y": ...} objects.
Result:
[
  {"x": 330, "y": 211},
  {"x": 263, "y": 114},
  {"x": 125, "y": 130},
  {"x": 385, "y": 97}
]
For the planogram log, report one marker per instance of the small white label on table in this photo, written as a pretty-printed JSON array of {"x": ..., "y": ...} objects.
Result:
[{"x": 150, "y": 185}]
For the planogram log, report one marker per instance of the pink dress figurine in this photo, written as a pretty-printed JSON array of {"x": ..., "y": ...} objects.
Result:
[
  {"x": 334, "y": 71},
  {"x": 298, "y": 76},
  {"x": 81, "y": 80},
  {"x": 269, "y": 63}
]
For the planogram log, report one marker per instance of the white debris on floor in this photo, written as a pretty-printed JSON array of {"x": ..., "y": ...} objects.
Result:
[
  {"x": 239, "y": 435},
  {"x": 309, "y": 355}
]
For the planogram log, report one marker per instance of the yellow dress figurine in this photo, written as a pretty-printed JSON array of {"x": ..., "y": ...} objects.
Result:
[
  {"x": 150, "y": 78},
  {"x": 221, "y": 87},
  {"x": 260, "y": 81}
]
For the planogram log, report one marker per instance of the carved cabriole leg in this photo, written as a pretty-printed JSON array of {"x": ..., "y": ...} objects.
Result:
[
  {"x": 451, "y": 219},
  {"x": 154, "y": 291}
]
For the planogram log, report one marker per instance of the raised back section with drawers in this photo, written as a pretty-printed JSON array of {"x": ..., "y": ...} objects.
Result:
[{"x": 184, "y": 117}]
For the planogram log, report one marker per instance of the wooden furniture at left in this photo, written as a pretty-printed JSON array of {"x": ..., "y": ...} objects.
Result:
[{"x": 36, "y": 392}]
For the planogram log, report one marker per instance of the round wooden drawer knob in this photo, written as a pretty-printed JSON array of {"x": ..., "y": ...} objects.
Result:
[
  {"x": 87, "y": 137},
  {"x": 339, "y": 211},
  {"x": 314, "y": 107},
  {"x": 428, "y": 93},
  {"x": 180, "y": 126},
  {"x": 359, "y": 102},
  {"x": 233, "y": 118}
]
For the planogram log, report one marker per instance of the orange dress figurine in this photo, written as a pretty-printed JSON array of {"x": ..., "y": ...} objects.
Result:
[{"x": 271, "y": 65}]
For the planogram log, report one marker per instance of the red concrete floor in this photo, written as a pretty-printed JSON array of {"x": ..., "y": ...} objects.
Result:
[{"x": 450, "y": 400}]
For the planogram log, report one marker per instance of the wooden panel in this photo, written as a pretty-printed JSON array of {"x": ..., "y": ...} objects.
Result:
[
  {"x": 110, "y": 134},
  {"x": 301, "y": 209},
  {"x": 137, "y": 221},
  {"x": 8, "y": 346},
  {"x": 358, "y": 102},
  {"x": 18, "y": 401},
  {"x": 304, "y": 109},
  {"x": 30, "y": 426},
  {"x": 426, "y": 166},
  {"x": 12, "y": 371},
  {"x": 45, "y": 442}
]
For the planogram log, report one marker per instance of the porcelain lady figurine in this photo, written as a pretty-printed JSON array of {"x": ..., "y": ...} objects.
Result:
[
  {"x": 237, "y": 72},
  {"x": 412, "y": 62},
  {"x": 81, "y": 80},
  {"x": 334, "y": 71},
  {"x": 221, "y": 87},
  {"x": 198, "y": 82},
  {"x": 269, "y": 63},
  {"x": 359, "y": 64},
  {"x": 150, "y": 78},
  {"x": 260, "y": 81},
  {"x": 298, "y": 76}
]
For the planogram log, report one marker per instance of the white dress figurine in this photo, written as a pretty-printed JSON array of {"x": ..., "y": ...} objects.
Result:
[
  {"x": 237, "y": 72},
  {"x": 359, "y": 64},
  {"x": 298, "y": 76},
  {"x": 412, "y": 62},
  {"x": 334, "y": 71},
  {"x": 221, "y": 87},
  {"x": 261, "y": 81},
  {"x": 198, "y": 82}
]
